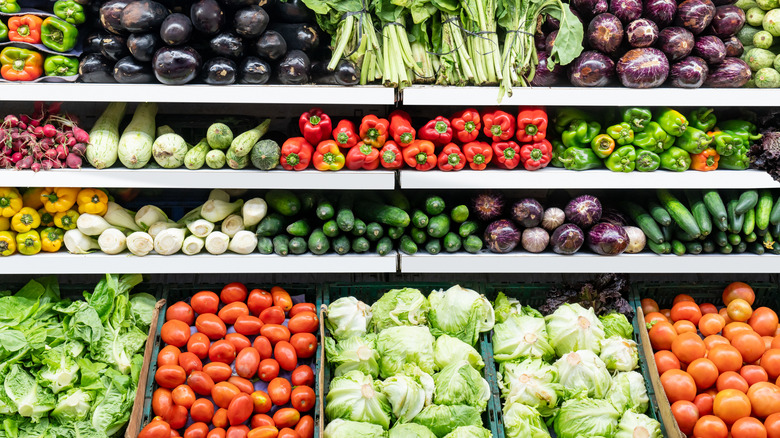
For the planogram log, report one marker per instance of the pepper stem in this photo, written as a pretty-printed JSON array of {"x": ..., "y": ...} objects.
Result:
[
  {"x": 479, "y": 159},
  {"x": 496, "y": 130},
  {"x": 406, "y": 138},
  {"x": 509, "y": 153},
  {"x": 421, "y": 158},
  {"x": 453, "y": 159},
  {"x": 372, "y": 133},
  {"x": 342, "y": 138},
  {"x": 314, "y": 120},
  {"x": 470, "y": 127},
  {"x": 293, "y": 159},
  {"x": 440, "y": 127},
  {"x": 328, "y": 157},
  {"x": 531, "y": 129},
  {"x": 388, "y": 157},
  {"x": 536, "y": 154},
  {"x": 23, "y": 30}
]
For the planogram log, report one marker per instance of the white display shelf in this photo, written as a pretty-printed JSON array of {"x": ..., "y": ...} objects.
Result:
[
  {"x": 588, "y": 263},
  {"x": 279, "y": 94},
  {"x": 201, "y": 179},
  {"x": 99, "y": 263},
  {"x": 555, "y": 178}
]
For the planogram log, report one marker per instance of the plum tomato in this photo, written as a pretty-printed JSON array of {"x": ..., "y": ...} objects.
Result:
[
  {"x": 275, "y": 333},
  {"x": 272, "y": 315},
  {"x": 170, "y": 376},
  {"x": 177, "y": 417},
  {"x": 267, "y": 431},
  {"x": 176, "y": 333},
  {"x": 180, "y": 311},
  {"x": 232, "y": 293},
  {"x": 169, "y": 355},
  {"x": 183, "y": 395},
  {"x": 285, "y": 355},
  {"x": 305, "y": 344},
  {"x": 241, "y": 431},
  {"x": 220, "y": 418},
  {"x": 279, "y": 390},
  {"x": 281, "y": 298},
  {"x": 286, "y": 417},
  {"x": 223, "y": 394},
  {"x": 162, "y": 401},
  {"x": 258, "y": 420},
  {"x": 202, "y": 410},
  {"x": 268, "y": 370},
  {"x": 304, "y": 322},
  {"x": 259, "y": 300},
  {"x": 210, "y": 325},
  {"x": 303, "y": 375},
  {"x": 261, "y": 402},
  {"x": 247, "y": 362},
  {"x": 157, "y": 428},
  {"x": 218, "y": 371},
  {"x": 240, "y": 409},
  {"x": 243, "y": 385},
  {"x": 288, "y": 433},
  {"x": 199, "y": 344},
  {"x": 238, "y": 340},
  {"x": 222, "y": 351},
  {"x": 230, "y": 312},
  {"x": 201, "y": 382},
  {"x": 248, "y": 325},
  {"x": 264, "y": 347},
  {"x": 302, "y": 398},
  {"x": 305, "y": 427},
  {"x": 301, "y": 307},
  {"x": 190, "y": 362},
  {"x": 197, "y": 430},
  {"x": 205, "y": 302}
]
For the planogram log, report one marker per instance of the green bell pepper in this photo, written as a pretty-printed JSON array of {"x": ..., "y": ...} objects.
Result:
[
  {"x": 558, "y": 149},
  {"x": 653, "y": 138},
  {"x": 702, "y": 118},
  {"x": 602, "y": 145},
  {"x": 580, "y": 133},
  {"x": 622, "y": 133},
  {"x": 69, "y": 11},
  {"x": 3, "y": 31},
  {"x": 575, "y": 158},
  {"x": 622, "y": 160},
  {"x": 58, "y": 35},
  {"x": 745, "y": 130},
  {"x": 647, "y": 161},
  {"x": 10, "y": 6},
  {"x": 565, "y": 116},
  {"x": 693, "y": 140},
  {"x": 726, "y": 143},
  {"x": 671, "y": 121},
  {"x": 675, "y": 159},
  {"x": 637, "y": 118},
  {"x": 59, "y": 65},
  {"x": 739, "y": 160}
]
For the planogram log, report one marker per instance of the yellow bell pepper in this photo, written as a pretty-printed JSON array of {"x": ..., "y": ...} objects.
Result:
[
  {"x": 92, "y": 201},
  {"x": 10, "y": 201},
  {"x": 66, "y": 219},
  {"x": 5, "y": 223},
  {"x": 32, "y": 197},
  {"x": 25, "y": 220},
  {"x": 47, "y": 219},
  {"x": 7, "y": 243},
  {"x": 51, "y": 239},
  {"x": 57, "y": 199},
  {"x": 28, "y": 243}
]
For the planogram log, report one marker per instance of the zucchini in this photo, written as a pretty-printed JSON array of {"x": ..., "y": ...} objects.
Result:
[
  {"x": 434, "y": 205},
  {"x": 299, "y": 228},
  {"x": 769, "y": 243},
  {"x": 693, "y": 248},
  {"x": 395, "y": 232},
  {"x": 281, "y": 245},
  {"x": 104, "y": 136},
  {"x": 741, "y": 248},
  {"x": 330, "y": 228},
  {"x": 700, "y": 213},
  {"x": 645, "y": 221},
  {"x": 682, "y": 235},
  {"x": 663, "y": 248},
  {"x": 721, "y": 239},
  {"x": 468, "y": 228},
  {"x": 708, "y": 246},
  {"x": 452, "y": 242},
  {"x": 308, "y": 201},
  {"x": 419, "y": 219},
  {"x": 325, "y": 210},
  {"x": 283, "y": 201},
  {"x": 215, "y": 159},
  {"x": 756, "y": 248},
  {"x": 439, "y": 226},
  {"x": 341, "y": 245},
  {"x": 433, "y": 246},
  {"x": 747, "y": 200},
  {"x": 384, "y": 214},
  {"x": 750, "y": 222},
  {"x": 360, "y": 245},
  {"x": 734, "y": 239},
  {"x": 775, "y": 230},
  {"x": 763, "y": 209},
  {"x": 678, "y": 248},
  {"x": 397, "y": 199},
  {"x": 374, "y": 231},
  {"x": 472, "y": 244},
  {"x": 752, "y": 237},
  {"x": 384, "y": 246},
  {"x": 265, "y": 245},
  {"x": 735, "y": 220},
  {"x": 219, "y": 136},
  {"x": 359, "y": 228},
  {"x": 659, "y": 213},
  {"x": 195, "y": 158},
  {"x": 270, "y": 225},
  {"x": 318, "y": 242},
  {"x": 679, "y": 213},
  {"x": 297, "y": 245},
  {"x": 234, "y": 161},
  {"x": 407, "y": 246},
  {"x": 345, "y": 217},
  {"x": 135, "y": 144},
  {"x": 242, "y": 145},
  {"x": 717, "y": 209},
  {"x": 459, "y": 214},
  {"x": 265, "y": 154},
  {"x": 774, "y": 215},
  {"x": 418, "y": 235},
  {"x": 727, "y": 249}
]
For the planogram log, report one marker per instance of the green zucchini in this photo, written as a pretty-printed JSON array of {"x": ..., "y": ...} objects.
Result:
[
  {"x": 679, "y": 213},
  {"x": 693, "y": 248},
  {"x": 308, "y": 201},
  {"x": 360, "y": 227},
  {"x": 374, "y": 231},
  {"x": 721, "y": 238},
  {"x": 728, "y": 249},
  {"x": 384, "y": 246},
  {"x": 434, "y": 205},
  {"x": 468, "y": 228},
  {"x": 341, "y": 245},
  {"x": 407, "y": 246},
  {"x": 360, "y": 244},
  {"x": 763, "y": 209},
  {"x": 397, "y": 199},
  {"x": 645, "y": 221},
  {"x": 747, "y": 200},
  {"x": 752, "y": 237},
  {"x": 219, "y": 136},
  {"x": 265, "y": 245},
  {"x": 330, "y": 228},
  {"x": 318, "y": 242},
  {"x": 265, "y": 155},
  {"x": 735, "y": 220},
  {"x": 242, "y": 145},
  {"x": 282, "y": 245},
  {"x": 325, "y": 210},
  {"x": 419, "y": 219},
  {"x": 742, "y": 247},
  {"x": 298, "y": 245},
  {"x": 395, "y": 232},
  {"x": 659, "y": 213},
  {"x": 717, "y": 209},
  {"x": 472, "y": 244},
  {"x": 345, "y": 217},
  {"x": 439, "y": 226},
  {"x": 459, "y": 214},
  {"x": 299, "y": 228},
  {"x": 452, "y": 242},
  {"x": 215, "y": 159},
  {"x": 271, "y": 225},
  {"x": 699, "y": 211},
  {"x": 678, "y": 248},
  {"x": 756, "y": 248},
  {"x": 234, "y": 161},
  {"x": 750, "y": 221},
  {"x": 283, "y": 201},
  {"x": 774, "y": 215},
  {"x": 418, "y": 235},
  {"x": 663, "y": 248},
  {"x": 195, "y": 158},
  {"x": 708, "y": 246},
  {"x": 734, "y": 239},
  {"x": 433, "y": 246},
  {"x": 384, "y": 214}
]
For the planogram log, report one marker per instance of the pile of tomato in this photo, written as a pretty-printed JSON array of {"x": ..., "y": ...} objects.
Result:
[
  {"x": 236, "y": 365},
  {"x": 719, "y": 368}
]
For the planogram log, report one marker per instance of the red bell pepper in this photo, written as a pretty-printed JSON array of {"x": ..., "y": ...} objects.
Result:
[
  {"x": 401, "y": 128},
  {"x": 478, "y": 154},
  {"x": 420, "y": 155},
  {"x": 296, "y": 154},
  {"x": 363, "y": 156},
  {"x": 438, "y": 131},
  {"x": 507, "y": 154},
  {"x": 25, "y": 29},
  {"x": 536, "y": 155},
  {"x": 315, "y": 126},
  {"x": 451, "y": 158},
  {"x": 328, "y": 156},
  {"x": 498, "y": 125},
  {"x": 345, "y": 134},
  {"x": 531, "y": 125},
  {"x": 391, "y": 156},
  {"x": 373, "y": 131},
  {"x": 466, "y": 125}
]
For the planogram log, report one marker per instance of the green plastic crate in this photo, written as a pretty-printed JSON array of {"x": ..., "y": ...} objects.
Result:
[{"x": 370, "y": 292}]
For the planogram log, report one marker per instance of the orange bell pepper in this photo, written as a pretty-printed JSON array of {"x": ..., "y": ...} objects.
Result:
[
  {"x": 705, "y": 161},
  {"x": 328, "y": 156},
  {"x": 25, "y": 29},
  {"x": 420, "y": 155}
]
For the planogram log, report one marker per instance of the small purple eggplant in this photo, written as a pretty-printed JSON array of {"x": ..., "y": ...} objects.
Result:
[
  {"x": 591, "y": 8},
  {"x": 690, "y": 72},
  {"x": 591, "y": 69},
  {"x": 661, "y": 12},
  {"x": 626, "y": 10},
  {"x": 731, "y": 73},
  {"x": 641, "y": 33},
  {"x": 675, "y": 42},
  {"x": 550, "y": 41},
  {"x": 544, "y": 77},
  {"x": 710, "y": 48},
  {"x": 728, "y": 20},
  {"x": 605, "y": 33},
  {"x": 643, "y": 68},
  {"x": 695, "y": 15},
  {"x": 734, "y": 47}
]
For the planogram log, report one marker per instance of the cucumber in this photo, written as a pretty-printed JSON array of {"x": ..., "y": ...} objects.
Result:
[
  {"x": 749, "y": 238},
  {"x": 459, "y": 214},
  {"x": 397, "y": 199},
  {"x": 433, "y": 246},
  {"x": 408, "y": 246},
  {"x": 345, "y": 218},
  {"x": 472, "y": 244},
  {"x": 747, "y": 200},
  {"x": 439, "y": 226},
  {"x": 679, "y": 213},
  {"x": 742, "y": 247},
  {"x": 750, "y": 222},
  {"x": 360, "y": 244},
  {"x": 318, "y": 242},
  {"x": 330, "y": 228},
  {"x": 265, "y": 245},
  {"x": 270, "y": 225},
  {"x": 325, "y": 210},
  {"x": 341, "y": 245},
  {"x": 419, "y": 219},
  {"x": 693, "y": 248},
  {"x": 395, "y": 232},
  {"x": 700, "y": 213},
  {"x": 682, "y": 235},
  {"x": 384, "y": 246},
  {"x": 759, "y": 232},
  {"x": 668, "y": 232},
  {"x": 299, "y": 228},
  {"x": 728, "y": 249},
  {"x": 434, "y": 205},
  {"x": 708, "y": 246},
  {"x": 374, "y": 231},
  {"x": 659, "y": 213},
  {"x": 452, "y": 242},
  {"x": 774, "y": 215},
  {"x": 281, "y": 245},
  {"x": 298, "y": 245},
  {"x": 768, "y": 242},
  {"x": 735, "y": 220},
  {"x": 360, "y": 228},
  {"x": 678, "y": 248},
  {"x": 418, "y": 235},
  {"x": 775, "y": 230},
  {"x": 721, "y": 239},
  {"x": 283, "y": 201},
  {"x": 308, "y": 201},
  {"x": 756, "y": 248},
  {"x": 734, "y": 239},
  {"x": 384, "y": 214},
  {"x": 645, "y": 221},
  {"x": 468, "y": 228},
  {"x": 763, "y": 209},
  {"x": 663, "y": 248},
  {"x": 717, "y": 209}
]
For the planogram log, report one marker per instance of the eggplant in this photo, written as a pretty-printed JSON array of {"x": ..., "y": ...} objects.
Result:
[
  {"x": 535, "y": 239},
  {"x": 96, "y": 68},
  {"x": 254, "y": 70},
  {"x": 549, "y": 42},
  {"x": 695, "y": 15},
  {"x": 643, "y": 68},
  {"x": 734, "y": 46},
  {"x": 114, "y": 47},
  {"x": 268, "y": 5},
  {"x": 271, "y": 45},
  {"x": 207, "y": 17},
  {"x": 239, "y": 3},
  {"x": 93, "y": 41},
  {"x": 710, "y": 48},
  {"x": 591, "y": 8},
  {"x": 675, "y": 42},
  {"x": 111, "y": 16},
  {"x": 612, "y": 216},
  {"x": 219, "y": 71},
  {"x": 501, "y": 236},
  {"x": 626, "y": 10},
  {"x": 129, "y": 71},
  {"x": 731, "y": 73},
  {"x": 143, "y": 46},
  {"x": 176, "y": 65},
  {"x": 727, "y": 21},
  {"x": 298, "y": 36},
  {"x": 540, "y": 40},
  {"x": 660, "y": 12},
  {"x": 567, "y": 239},
  {"x": 227, "y": 44},
  {"x": 605, "y": 33},
  {"x": 689, "y": 72},
  {"x": 527, "y": 212},
  {"x": 591, "y": 69},
  {"x": 176, "y": 29},
  {"x": 346, "y": 73},
  {"x": 544, "y": 77},
  {"x": 583, "y": 211},
  {"x": 641, "y": 33},
  {"x": 292, "y": 11},
  {"x": 552, "y": 23},
  {"x": 607, "y": 239},
  {"x": 143, "y": 16},
  {"x": 294, "y": 68},
  {"x": 250, "y": 22},
  {"x": 320, "y": 73}
]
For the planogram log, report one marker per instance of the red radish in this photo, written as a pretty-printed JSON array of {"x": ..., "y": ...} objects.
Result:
[
  {"x": 36, "y": 166},
  {"x": 24, "y": 118},
  {"x": 49, "y": 130},
  {"x": 54, "y": 108},
  {"x": 17, "y": 157},
  {"x": 73, "y": 161},
  {"x": 81, "y": 135},
  {"x": 47, "y": 164},
  {"x": 79, "y": 149},
  {"x": 25, "y": 162},
  {"x": 35, "y": 123},
  {"x": 62, "y": 152},
  {"x": 38, "y": 131},
  {"x": 11, "y": 120},
  {"x": 70, "y": 141},
  {"x": 57, "y": 165}
]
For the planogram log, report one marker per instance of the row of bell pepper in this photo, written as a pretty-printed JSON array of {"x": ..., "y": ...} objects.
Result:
[
  {"x": 55, "y": 33},
  {"x": 19, "y": 64}
]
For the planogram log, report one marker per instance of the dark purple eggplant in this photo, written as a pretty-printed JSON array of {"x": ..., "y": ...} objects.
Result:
[
  {"x": 728, "y": 20},
  {"x": 675, "y": 42},
  {"x": 176, "y": 29},
  {"x": 250, "y": 22},
  {"x": 527, "y": 212},
  {"x": 695, "y": 15},
  {"x": 710, "y": 48},
  {"x": 239, "y": 3},
  {"x": 591, "y": 8},
  {"x": 298, "y": 36},
  {"x": 641, "y": 33},
  {"x": 294, "y": 68},
  {"x": 227, "y": 44},
  {"x": 219, "y": 71},
  {"x": 502, "y": 236},
  {"x": 583, "y": 211},
  {"x": 643, "y": 68},
  {"x": 550, "y": 41},
  {"x": 129, "y": 70},
  {"x": 552, "y": 23},
  {"x": 143, "y": 46},
  {"x": 539, "y": 41},
  {"x": 605, "y": 33},
  {"x": 567, "y": 239},
  {"x": 268, "y": 5},
  {"x": 207, "y": 17},
  {"x": 96, "y": 68},
  {"x": 176, "y": 65},
  {"x": 346, "y": 73},
  {"x": 114, "y": 47},
  {"x": 271, "y": 45},
  {"x": 254, "y": 70},
  {"x": 591, "y": 69},
  {"x": 111, "y": 16},
  {"x": 734, "y": 46},
  {"x": 93, "y": 41},
  {"x": 689, "y": 72},
  {"x": 626, "y": 10},
  {"x": 612, "y": 216},
  {"x": 660, "y": 12},
  {"x": 607, "y": 239},
  {"x": 544, "y": 77},
  {"x": 143, "y": 16},
  {"x": 293, "y": 11},
  {"x": 731, "y": 73}
]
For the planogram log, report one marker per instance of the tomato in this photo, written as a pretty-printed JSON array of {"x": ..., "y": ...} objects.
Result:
[
  {"x": 305, "y": 344},
  {"x": 272, "y": 315},
  {"x": 684, "y": 326},
  {"x": 177, "y": 417},
  {"x": 688, "y": 347},
  {"x": 735, "y": 327},
  {"x": 233, "y": 292},
  {"x": 175, "y": 332},
  {"x": 749, "y": 344},
  {"x": 288, "y": 433},
  {"x": 286, "y": 417},
  {"x": 169, "y": 355},
  {"x": 770, "y": 361},
  {"x": 264, "y": 432},
  {"x": 725, "y": 314},
  {"x": 305, "y": 427},
  {"x": 279, "y": 391},
  {"x": 259, "y": 300},
  {"x": 190, "y": 362},
  {"x": 223, "y": 394},
  {"x": 682, "y": 297},
  {"x": 268, "y": 370},
  {"x": 243, "y": 385},
  {"x": 205, "y": 302},
  {"x": 170, "y": 376},
  {"x": 710, "y": 426},
  {"x": 202, "y": 410},
  {"x": 200, "y": 382},
  {"x": 281, "y": 298},
  {"x": 175, "y": 434},
  {"x": 753, "y": 374},
  {"x": 664, "y": 360},
  {"x": 247, "y": 362},
  {"x": 261, "y": 402},
  {"x": 649, "y": 305},
  {"x": 703, "y": 403},
  {"x": 765, "y": 399},
  {"x": 711, "y": 324},
  {"x": 261, "y": 420},
  {"x": 707, "y": 308},
  {"x": 210, "y": 325},
  {"x": 180, "y": 311},
  {"x": 730, "y": 405},
  {"x": 232, "y": 311},
  {"x": 738, "y": 290},
  {"x": 197, "y": 430},
  {"x": 764, "y": 321},
  {"x": 652, "y": 318},
  {"x": 304, "y": 322},
  {"x": 731, "y": 380},
  {"x": 686, "y": 414},
  {"x": 776, "y": 341},
  {"x": 767, "y": 342},
  {"x": 275, "y": 333},
  {"x": 238, "y": 340},
  {"x": 748, "y": 427},
  {"x": 704, "y": 373},
  {"x": 678, "y": 385},
  {"x": 666, "y": 313},
  {"x": 220, "y": 418},
  {"x": 156, "y": 429},
  {"x": 301, "y": 307},
  {"x": 222, "y": 351},
  {"x": 285, "y": 355},
  {"x": 199, "y": 344},
  {"x": 687, "y": 310},
  {"x": 240, "y": 409},
  {"x": 237, "y": 432},
  {"x": 302, "y": 398},
  {"x": 248, "y": 325},
  {"x": 263, "y": 346},
  {"x": 218, "y": 371},
  {"x": 772, "y": 425},
  {"x": 183, "y": 395},
  {"x": 662, "y": 335},
  {"x": 162, "y": 402},
  {"x": 217, "y": 433},
  {"x": 739, "y": 310},
  {"x": 712, "y": 341}
]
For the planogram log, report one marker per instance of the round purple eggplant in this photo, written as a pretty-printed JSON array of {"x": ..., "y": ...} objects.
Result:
[
  {"x": 731, "y": 73},
  {"x": 643, "y": 68},
  {"x": 660, "y": 12},
  {"x": 539, "y": 41},
  {"x": 527, "y": 212},
  {"x": 626, "y": 10},
  {"x": 591, "y": 8},
  {"x": 552, "y": 22},
  {"x": 143, "y": 16},
  {"x": 607, "y": 239},
  {"x": 728, "y": 20},
  {"x": 605, "y": 33},
  {"x": 176, "y": 65},
  {"x": 641, "y": 33},
  {"x": 176, "y": 29},
  {"x": 734, "y": 47},
  {"x": 675, "y": 42},
  {"x": 550, "y": 41},
  {"x": 710, "y": 48},
  {"x": 583, "y": 211},
  {"x": 544, "y": 77},
  {"x": 695, "y": 15},
  {"x": 502, "y": 236},
  {"x": 207, "y": 16},
  {"x": 567, "y": 239},
  {"x": 690, "y": 72},
  {"x": 612, "y": 216},
  {"x": 591, "y": 69}
]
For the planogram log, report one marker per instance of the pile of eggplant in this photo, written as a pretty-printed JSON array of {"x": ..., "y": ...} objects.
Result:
[{"x": 216, "y": 42}]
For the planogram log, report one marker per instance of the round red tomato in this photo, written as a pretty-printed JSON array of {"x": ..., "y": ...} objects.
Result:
[
  {"x": 731, "y": 380},
  {"x": 259, "y": 300},
  {"x": 305, "y": 427},
  {"x": 749, "y": 344},
  {"x": 175, "y": 332},
  {"x": 162, "y": 402},
  {"x": 764, "y": 321},
  {"x": 218, "y": 371},
  {"x": 233, "y": 292},
  {"x": 156, "y": 429},
  {"x": 678, "y": 385},
  {"x": 688, "y": 347},
  {"x": 686, "y": 414},
  {"x": 190, "y": 362},
  {"x": 682, "y": 297},
  {"x": 753, "y": 374},
  {"x": 268, "y": 370},
  {"x": 748, "y": 427},
  {"x": 222, "y": 351},
  {"x": 247, "y": 362},
  {"x": 261, "y": 402},
  {"x": 205, "y": 302},
  {"x": 261, "y": 419},
  {"x": 711, "y": 324},
  {"x": 177, "y": 417},
  {"x": 704, "y": 373},
  {"x": 666, "y": 360},
  {"x": 684, "y": 326},
  {"x": 649, "y": 305},
  {"x": 735, "y": 327},
  {"x": 302, "y": 398},
  {"x": 285, "y": 355},
  {"x": 288, "y": 433},
  {"x": 238, "y": 340},
  {"x": 304, "y": 322},
  {"x": 710, "y": 426},
  {"x": 739, "y": 310},
  {"x": 770, "y": 361},
  {"x": 286, "y": 417},
  {"x": 730, "y": 405},
  {"x": 707, "y": 308},
  {"x": 713, "y": 340},
  {"x": 725, "y": 357},
  {"x": 703, "y": 403},
  {"x": 305, "y": 344},
  {"x": 655, "y": 317},
  {"x": 180, "y": 311},
  {"x": 169, "y": 355},
  {"x": 197, "y": 430},
  {"x": 272, "y": 315},
  {"x": 303, "y": 375},
  {"x": 279, "y": 390},
  {"x": 199, "y": 344},
  {"x": 281, "y": 298},
  {"x": 275, "y": 333},
  {"x": 230, "y": 313},
  {"x": 243, "y": 385},
  {"x": 183, "y": 395},
  {"x": 248, "y": 325},
  {"x": 738, "y": 290},
  {"x": 170, "y": 376},
  {"x": 223, "y": 394},
  {"x": 301, "y": 307},
  {"x": 200, "y": 382},
  {"x": 211, "y": 326},
  {"x": 240, "y": 409},
  {"x": 772, "y": 425},
  {"x": 687, "y": 310},
  {"x": 662, "y": 335},
  {"x": 764, "y": 398},
  {"x": 202, "y": 410}
]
